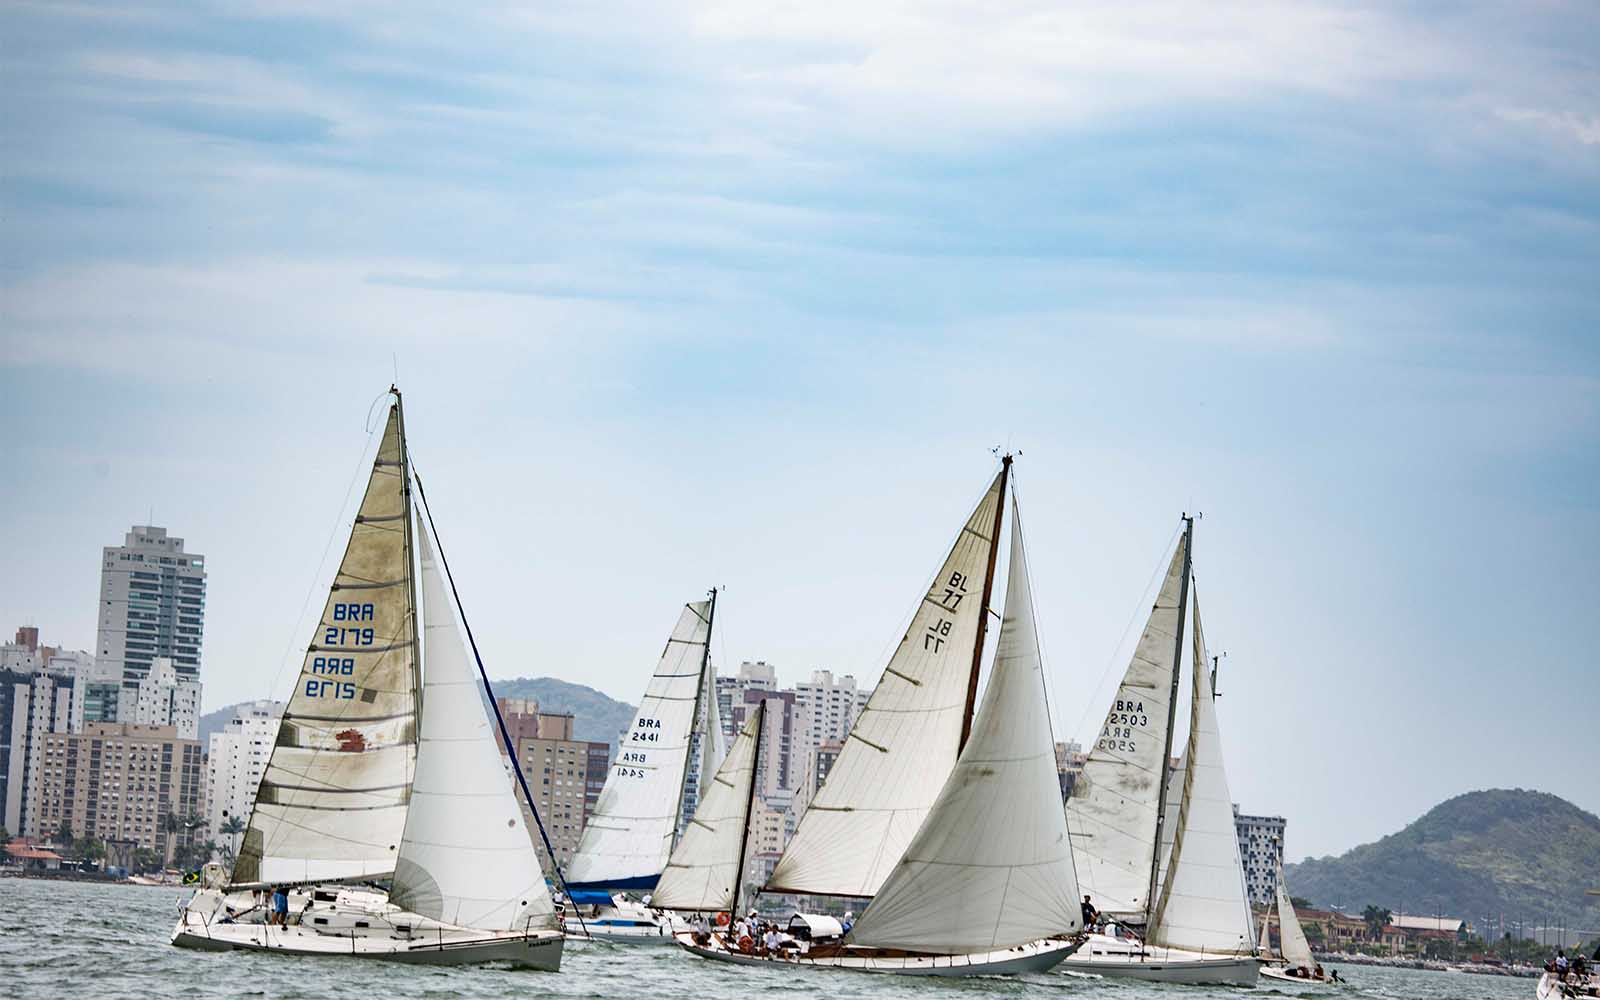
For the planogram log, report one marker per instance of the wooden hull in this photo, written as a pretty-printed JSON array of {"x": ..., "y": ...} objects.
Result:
[{"x": 1036, "y": 956}]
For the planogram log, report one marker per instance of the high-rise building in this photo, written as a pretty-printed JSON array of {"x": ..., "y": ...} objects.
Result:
[
  {"x": 164, "y": 697},
  {"x": 152, "y": 604},
  {"x": 831, "y": 705},
  {"x": 1070, "y": 759},
  {"x": 117, "y": 783},
  {"x": 235, "y": 760},
  {"x": 1261, "y": 851},
  {"x": 757, "y": 676},
  {"x": 33, "y": 704},
  {"x": 564, "y": 774},
  {"x": 784, "y": 740}
]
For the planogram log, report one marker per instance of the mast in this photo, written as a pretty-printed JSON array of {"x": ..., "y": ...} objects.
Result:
[
  {"x": 1172, "y": 715},
  {"x": 411, "y": 549},
  {"x": 983, "y": 606},
  {"x": 694, "y": 725},
  {"x": 749, "y": 807}
]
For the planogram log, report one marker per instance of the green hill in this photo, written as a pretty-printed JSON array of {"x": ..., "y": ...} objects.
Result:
[
  {"x": 595, "y": 716},
  {"x": 1525, "y": 855}
]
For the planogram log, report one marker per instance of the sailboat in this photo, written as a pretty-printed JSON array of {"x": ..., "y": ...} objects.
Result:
[
  {"x": 1298, "y": 965},
  {"x": 950, "y": 820},
  {"x": 671, "y": 751},
  {"x": 384, "y": 773},
  {"x": 1157, "y": 853}
]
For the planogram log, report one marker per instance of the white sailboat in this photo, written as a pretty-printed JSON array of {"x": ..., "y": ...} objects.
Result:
[
  {"x": 1158, "y": 853},
  {"x": 671, "y": 750},
  {"x": 984, "y": 883},
  {"x": 364, "y": 785},
  {"x": 1298, "y": 965}
]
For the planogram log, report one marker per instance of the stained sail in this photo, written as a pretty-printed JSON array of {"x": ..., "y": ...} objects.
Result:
[
  {"x": 905, "y": 741},
  {"x": 332, "y": 803},
  {"x": 991, "y": 866},
  {"x": 1114, "y": 804},
  {"x": 466, "y": 857},
  {"x": 1202, "y": 905},
  {"x": 630, "y": 835},
  {"x": 1296, "y": 949},
  {"x": 704, "y": 866}
]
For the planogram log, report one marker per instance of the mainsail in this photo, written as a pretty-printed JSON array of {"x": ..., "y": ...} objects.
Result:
[
  {"x": 332, "y": 803},
  {"x": 991, "y": 866},
  {"x": 905, "y": 741},
  {"x": 1202, "y": 905},
  {"x": 1116, "y": 802},
  {"x": 1296, "y": 949},
  {"x": 629, "y": 837},
  {"x": 704, "y": 870},
  {"x": 466, "y": 857}
]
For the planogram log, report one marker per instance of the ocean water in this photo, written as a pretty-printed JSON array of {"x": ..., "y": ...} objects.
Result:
[{"x": 90, "y": 941}]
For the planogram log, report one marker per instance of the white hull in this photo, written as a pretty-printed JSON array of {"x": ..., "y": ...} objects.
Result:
[
  {"x": 1279, "y": 974},
  {"x": 1035, "y": 956},
  {"x": 1122, "y": 958},
  {"x": 1552, "y": 988},
  {"x": 623, "y": 922},
  {"x": 358, "y": 924}
]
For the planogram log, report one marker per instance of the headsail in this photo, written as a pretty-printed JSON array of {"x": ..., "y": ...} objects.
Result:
[
  {"x": 704, "y": 868},
  {"x": 332, "y": 803},
  {"x": 1296, "y": 949},
  {"x": 1202, "y": 905},
  {"x": 991, "y": 866},
  {"x": 1114, "y": 805},
  {"x": 907, "y": 737},
  {"x": 629, "y": 837},
  {"x": 466, "y": 857}
]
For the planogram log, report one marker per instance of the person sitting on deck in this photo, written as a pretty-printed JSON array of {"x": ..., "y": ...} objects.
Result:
[
  {"x": 849, "y": 921},
  {"x": 1561, "y": 965},
  {"x": 769, "y": 941}
]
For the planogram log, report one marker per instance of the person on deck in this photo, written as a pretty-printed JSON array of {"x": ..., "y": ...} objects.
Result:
[
  {"x": 1090, "y": 915},
  {"x": 769, "y": 942},
  {"x": 849, "y": 921},
  {"x": 280, "y": 906}
]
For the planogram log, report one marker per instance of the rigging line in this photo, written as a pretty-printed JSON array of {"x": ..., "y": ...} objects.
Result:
[
  {"x": 305, "y": 605},
  {"x": 1111, "y": 661},
  {"x": 505, "y": 734}
]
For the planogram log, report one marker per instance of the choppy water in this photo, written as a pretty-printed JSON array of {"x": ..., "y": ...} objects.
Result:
[{"x": 90, "y": 941}]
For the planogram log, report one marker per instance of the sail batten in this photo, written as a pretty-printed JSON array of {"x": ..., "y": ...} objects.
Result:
[
  {"x": 991, "y": 865},
  {"x": 332, "y": 801},
  {"x": 630, "y": 835},
  {"x": 905, "y": 740}
]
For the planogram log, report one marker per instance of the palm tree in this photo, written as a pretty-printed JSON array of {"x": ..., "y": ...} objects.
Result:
[
  {"x": 170, "y": 825},
  {"x": 1377, "y": 918},
  {"x": 64, "y": 832},
  {"x": 232, "y": 827}
]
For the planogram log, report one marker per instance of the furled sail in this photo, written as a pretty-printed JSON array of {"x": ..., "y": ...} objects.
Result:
[
  {"x": 1114, "y": 805},
  {"x": 906, "y": 739},
  {"x": 1202, "y": 905},
  {"x": 705, "y": 865},
  {"x": 629, "y": 837},
  {"x": 332, "y": 803},
  {"x": 1296, "y": 949},
  {"x": 466, "y": 857},
  {"x": 991, "y": 866}
]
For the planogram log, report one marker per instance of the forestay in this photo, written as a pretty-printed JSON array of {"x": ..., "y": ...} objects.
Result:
[
  {"x": 332, "y": 803},
  {"x": 1114, "y": 804},
  {"x": 1296, "y": 949},
  {"x": 704, "y": 867},
  {"x": 466, "y": 857},
  {"x": 629, "y": 836},
  {"x": 991, "y": 866},
  {"x": 1203, "y": 906},
  {"x": 905, "y": 741}
]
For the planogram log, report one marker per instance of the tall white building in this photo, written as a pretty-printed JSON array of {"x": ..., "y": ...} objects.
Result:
[
  {"x": 164, "y": 697},
  {"x": 1261, "y": 850},
  {"x": 39, "y": 694},
  {"x": 152, "y": 604},
  {"x": 236, "y": 758},
  {"x": 757, "y": 676}
]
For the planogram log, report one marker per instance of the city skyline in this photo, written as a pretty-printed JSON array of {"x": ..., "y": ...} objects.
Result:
[{"x": 703, "y": 296}]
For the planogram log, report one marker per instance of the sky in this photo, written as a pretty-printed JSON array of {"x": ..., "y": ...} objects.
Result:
[{"x": 690, "y": 294}]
